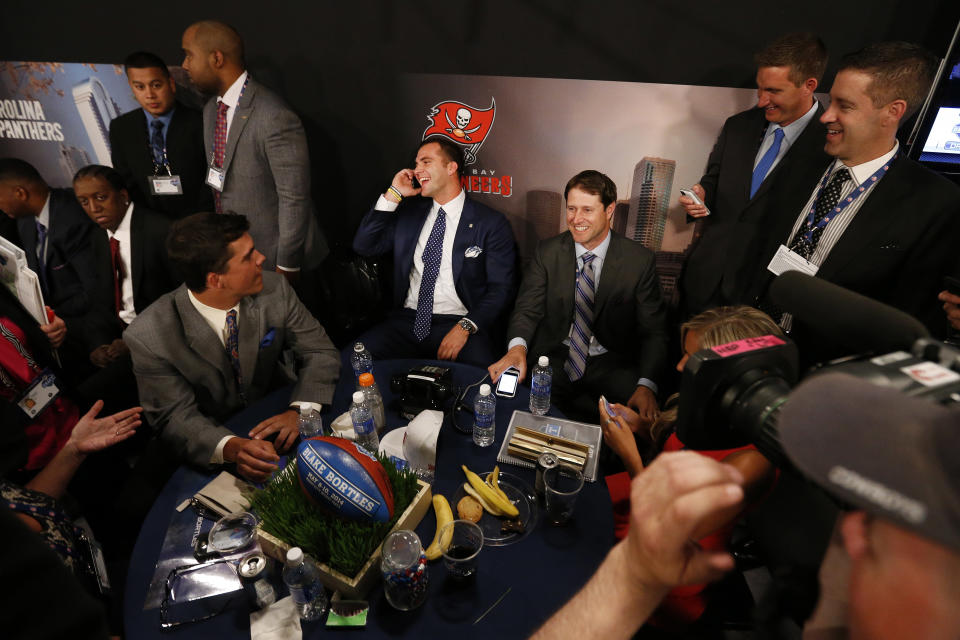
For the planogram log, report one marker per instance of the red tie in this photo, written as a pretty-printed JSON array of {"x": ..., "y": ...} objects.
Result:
[
  {"x": 117, "y": 265},
  {"x": 220, "y": 145}
]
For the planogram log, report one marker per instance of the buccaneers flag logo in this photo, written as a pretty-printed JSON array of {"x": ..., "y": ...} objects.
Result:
[{"x": 461, "y": 123}]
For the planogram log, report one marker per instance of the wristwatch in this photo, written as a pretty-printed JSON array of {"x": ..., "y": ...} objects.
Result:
[{"x": 467, "y": 326}]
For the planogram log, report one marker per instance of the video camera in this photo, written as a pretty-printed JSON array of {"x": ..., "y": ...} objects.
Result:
[{"x": 731, "y": 395}]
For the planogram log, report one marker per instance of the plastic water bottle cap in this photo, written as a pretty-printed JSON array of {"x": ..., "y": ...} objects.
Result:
[
  {"x": 304, "y": 410},
  {"x": 544, "y": 361},
  {"x": 358, "y": 347},
  {"x": 484, "y": 389},
  {"x": 357, "y": 397},
  {"x": 294, "y": 555},
  {"x": 366, "y": 379}
]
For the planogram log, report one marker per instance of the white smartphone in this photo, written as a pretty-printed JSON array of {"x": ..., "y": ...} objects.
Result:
[
  {"x": 507, "y": 384},
  {"x": 609, "y": 407},
  {"x": 690, "y": 194}
]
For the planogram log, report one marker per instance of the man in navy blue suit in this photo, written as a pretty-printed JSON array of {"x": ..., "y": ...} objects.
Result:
[{"x": 453, "y": 262}]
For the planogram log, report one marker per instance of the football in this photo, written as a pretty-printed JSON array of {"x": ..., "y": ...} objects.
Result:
[{"x": 344, "y": 478}]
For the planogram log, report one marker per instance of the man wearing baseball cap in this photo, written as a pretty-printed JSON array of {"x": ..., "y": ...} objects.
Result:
[{"x": 894, "y": 459}]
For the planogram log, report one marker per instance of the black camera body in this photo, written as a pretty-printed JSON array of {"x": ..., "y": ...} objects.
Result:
[{"x": 424, "y": 387}]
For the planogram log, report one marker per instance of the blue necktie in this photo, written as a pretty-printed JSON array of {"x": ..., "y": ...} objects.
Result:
[
  {"x": 431, "y": 268},
  {"x": 42, "y": 257},
  {"x": 763, "y": 167},
  {"x": 233, "y": 350},
  {"x": 156, "y": 142},
  {"x": 576, "y": 362}
]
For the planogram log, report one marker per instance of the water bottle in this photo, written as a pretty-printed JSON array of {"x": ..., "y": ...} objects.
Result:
[
  {"x": 362, "y": 361},
  {"x": 374, "y": 400},
  {"x": 363, "y": 424},
  {"x": 311, "y": 424},
  {"x": 540, "y": 383},
  {"x": 484, "y": 412},
  {"x": 303, "y": 580}
]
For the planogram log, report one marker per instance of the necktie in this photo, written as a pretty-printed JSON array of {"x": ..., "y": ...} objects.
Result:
[
  {"x": 219, "y": 146},
  {"x": 42, "y": 257},
  {"x": 156, "y": 142},
  {"x": 576, "y": 362},
  {"x": 117, "y": 266},
  {"x": 431, "y": 267},
  {"x": 763, "y": 167},
  {"x": 826, "y": 201},
  {"x": 233, "y": 350}
]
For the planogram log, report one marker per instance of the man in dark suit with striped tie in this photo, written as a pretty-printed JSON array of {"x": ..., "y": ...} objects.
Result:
[{"x": 591, "y": 302}]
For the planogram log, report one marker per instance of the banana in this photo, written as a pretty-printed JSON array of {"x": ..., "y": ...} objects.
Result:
[
  {"x": 493, "y": 480},
  {"x": 489, "y": 508},
  {"x": 441, "y": 509},
  {"x": 489, "y": 494}
]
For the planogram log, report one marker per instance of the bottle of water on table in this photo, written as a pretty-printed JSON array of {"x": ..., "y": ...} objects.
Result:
[
  {"x": 374, "y": 400},
  {"x": 303, "y": 580},
  {"x": 311, "y": 424},
  {"x": 363, "y": 424},
  {"x": 540, "y": 383},
  {"x": 362, "y": 362},
  {"x": 484, "y": 417}
]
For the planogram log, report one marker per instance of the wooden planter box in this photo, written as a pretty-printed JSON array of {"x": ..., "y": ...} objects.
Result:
[{"x": 355, "y": 587}]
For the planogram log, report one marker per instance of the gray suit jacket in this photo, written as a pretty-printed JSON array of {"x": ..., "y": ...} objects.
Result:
[
  {"x": 267, "y": 169},
  {"x": 187, "y": 387}
]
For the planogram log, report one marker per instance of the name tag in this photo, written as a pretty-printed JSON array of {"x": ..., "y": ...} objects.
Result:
[
  {"x": 215, "y": 178},
  {"x": 165, "y": 185},
  {"x": 39, "y": 394},
  {"x": 786, "y": 260}
]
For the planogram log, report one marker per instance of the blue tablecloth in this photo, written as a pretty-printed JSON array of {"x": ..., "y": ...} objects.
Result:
[{"x": 537, "y": 574}]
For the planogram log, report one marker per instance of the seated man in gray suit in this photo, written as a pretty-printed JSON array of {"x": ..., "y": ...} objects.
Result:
[
  {"x": 205, "y": 350},
  {"x": 590, "y": 301}
]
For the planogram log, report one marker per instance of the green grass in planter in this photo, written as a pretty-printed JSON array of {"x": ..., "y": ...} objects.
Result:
[{"x": 287, "y": 513}]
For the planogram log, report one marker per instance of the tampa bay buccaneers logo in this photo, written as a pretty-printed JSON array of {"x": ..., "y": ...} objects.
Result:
[{"x": 463, "y": 124}]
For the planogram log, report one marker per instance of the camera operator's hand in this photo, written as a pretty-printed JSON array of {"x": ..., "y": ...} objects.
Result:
[{"x": 951, "y": 306}]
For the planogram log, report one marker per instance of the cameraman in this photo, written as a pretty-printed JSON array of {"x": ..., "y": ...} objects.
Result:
[{"x": 894, "y": 458}]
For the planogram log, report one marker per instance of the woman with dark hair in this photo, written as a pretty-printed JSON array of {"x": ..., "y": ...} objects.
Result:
[{"x": 622, "y": 431}]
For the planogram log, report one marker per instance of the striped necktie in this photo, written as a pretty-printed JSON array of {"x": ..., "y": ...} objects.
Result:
[
  {"x": 233, "y": 350},
  {"x": 576, "y": 362}
]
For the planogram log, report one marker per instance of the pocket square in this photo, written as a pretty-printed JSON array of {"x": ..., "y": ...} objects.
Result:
[
  {"x": 472, "y": 252},
  {"x": 268, "y": 338}
]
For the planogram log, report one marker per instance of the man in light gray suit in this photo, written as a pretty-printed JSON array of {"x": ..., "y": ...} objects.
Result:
[
  {"x": 205, "y": 350},
  {"x": 257, "y": 150}
]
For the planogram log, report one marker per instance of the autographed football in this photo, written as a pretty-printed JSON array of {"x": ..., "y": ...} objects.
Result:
[{"x": 344, "y": 478}]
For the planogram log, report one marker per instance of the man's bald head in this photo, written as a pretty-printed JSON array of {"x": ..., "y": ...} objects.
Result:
[{"x": 213, "y": 35}]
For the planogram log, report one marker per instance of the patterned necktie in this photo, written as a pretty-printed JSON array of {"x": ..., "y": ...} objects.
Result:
[
  {"x": 117, "y": 266},
  {"x": 233, "y": 350},
  {"x": 763, "y": 167},
  {"x": 156, "y": 142},
  {"x": 42, "y": 257},
  {"x": 431, "y": 267},
  {"x": 219, "y": 146},
  {"x": 576, "y": 363},
  {"x": 822, "y": 208}
]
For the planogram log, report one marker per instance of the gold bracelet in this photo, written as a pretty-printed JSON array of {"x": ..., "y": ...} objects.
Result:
[{"x": 392, "y": 189}]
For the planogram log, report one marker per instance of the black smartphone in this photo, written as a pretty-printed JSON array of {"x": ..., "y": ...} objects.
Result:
[
  {"x": 416, "y": 183},
  {"x": 952, "y": 285}
]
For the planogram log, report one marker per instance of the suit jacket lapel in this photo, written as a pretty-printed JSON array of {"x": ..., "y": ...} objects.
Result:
[
  {"x": 609, "y": 276},
  {"x": 567, "y": 280},
  {"x": 240, "y": 118},
  {"x": 136, "y": 254},
  {"x": 875, "y": 215},
  {"x": 250, "y": 332},
  {"x": 407, "y": 237},
  {"x": 465, "y": 235},
  {"x": 201, "y": 338}
]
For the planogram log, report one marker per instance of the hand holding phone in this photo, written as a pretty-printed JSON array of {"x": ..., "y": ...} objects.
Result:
[
  {"x": 696, "y": 200},
  {"x": 507, "y": 384}
]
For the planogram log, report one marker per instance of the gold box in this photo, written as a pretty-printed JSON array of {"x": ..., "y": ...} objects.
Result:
[{"x": 355, "y": 587}]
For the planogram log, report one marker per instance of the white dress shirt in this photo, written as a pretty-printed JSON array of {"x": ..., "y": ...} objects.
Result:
[
  {"x": 127, "y": 312},
  {"x": 231, "y": 97}
]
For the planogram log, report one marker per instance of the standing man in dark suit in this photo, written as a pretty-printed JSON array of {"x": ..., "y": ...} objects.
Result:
[
  {"x": 130, "y": 258},
  {"x": 158, "y": 149},
  {"x": 591, "y": 302},
  {"x": 55, "y": 235},
  {"x": 780, "y": 135},
  {"x": 259, "y": 164},
  {"x": 875, "y": 221},
  {"x": 453, "y": 262},
  {"x": 204, "y": 351}
]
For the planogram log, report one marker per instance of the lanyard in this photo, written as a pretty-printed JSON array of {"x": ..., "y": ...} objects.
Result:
[
  {"x": 165, "y": 159},
  {"x": 866, "y": 184}
]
